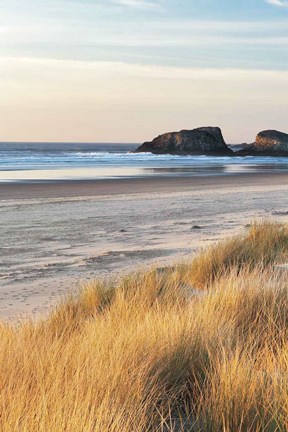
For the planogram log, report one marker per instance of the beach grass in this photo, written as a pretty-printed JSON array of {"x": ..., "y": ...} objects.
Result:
[
  {"x": 201, "y": 346},
  {"x": 265, "y": 243}
]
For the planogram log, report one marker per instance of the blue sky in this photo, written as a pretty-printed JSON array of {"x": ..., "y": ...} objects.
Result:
[{"x": 126, "y": 70}]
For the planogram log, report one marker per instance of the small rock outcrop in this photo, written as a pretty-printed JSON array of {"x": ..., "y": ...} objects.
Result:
[
  {"x": 267, "y": 143},
  {"x": 200, "y": 141}
]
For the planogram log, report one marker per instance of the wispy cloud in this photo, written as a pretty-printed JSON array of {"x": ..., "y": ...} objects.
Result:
[
  {"x": 139, "y": 4},
  {"x": 121, "y": 69},
  {"x": 279, "y": 3}
]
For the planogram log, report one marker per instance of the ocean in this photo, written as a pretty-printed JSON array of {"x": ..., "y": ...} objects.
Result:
[{"x": 42, "y": 162}]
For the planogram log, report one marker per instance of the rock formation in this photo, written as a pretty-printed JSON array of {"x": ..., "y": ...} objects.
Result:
[
  {"x": 267, "y": 143},
  {"x": 200, "y": 141}
]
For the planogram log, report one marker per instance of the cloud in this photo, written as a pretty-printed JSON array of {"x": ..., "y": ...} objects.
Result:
[
  {"x": 279, "y": 3},
  {"x": 139, "y": 4},
  {"x": 107, "y": 69}
]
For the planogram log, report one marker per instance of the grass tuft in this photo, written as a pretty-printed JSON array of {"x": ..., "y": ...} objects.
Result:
[{"x": 265, "y": 244}]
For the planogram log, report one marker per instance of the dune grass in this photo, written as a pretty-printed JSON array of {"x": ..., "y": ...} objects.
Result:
[
  {"x": 147, "y": 353},
  {"x": 264, "y": 244}
]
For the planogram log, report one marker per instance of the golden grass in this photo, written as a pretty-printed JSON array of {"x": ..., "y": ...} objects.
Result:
[
  {"x": 265, "y": 243},
  {"x": 150, "y": 354}
]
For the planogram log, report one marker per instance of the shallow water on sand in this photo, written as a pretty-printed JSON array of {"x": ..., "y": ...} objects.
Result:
[{"x": 36, "y": 162}]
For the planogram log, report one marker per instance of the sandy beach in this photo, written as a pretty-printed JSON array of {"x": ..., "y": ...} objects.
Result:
[{"x": 56, "y": 235}]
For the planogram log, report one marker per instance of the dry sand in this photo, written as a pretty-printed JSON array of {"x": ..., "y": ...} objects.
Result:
[{"x": 53, "y": 236}]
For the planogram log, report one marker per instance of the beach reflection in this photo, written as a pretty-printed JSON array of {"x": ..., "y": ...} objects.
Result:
[
  {"x": 219, "y": 169},
  {"x": 128, "y": 172}
]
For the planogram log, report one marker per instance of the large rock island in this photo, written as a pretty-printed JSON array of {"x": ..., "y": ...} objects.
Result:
[
  {"x": 267, "y": 143},
  {"x": 200, "y": 141}
]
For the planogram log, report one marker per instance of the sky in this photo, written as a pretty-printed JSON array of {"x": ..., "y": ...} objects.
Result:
[{"x": 128, "y": 70}]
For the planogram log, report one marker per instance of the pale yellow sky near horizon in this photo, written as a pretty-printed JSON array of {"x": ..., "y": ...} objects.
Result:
[
  {"x": 128, "y": 70},
  {"x": 61, "y": 100}
]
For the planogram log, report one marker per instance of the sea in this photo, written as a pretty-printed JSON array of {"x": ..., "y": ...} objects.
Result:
[{"x": 53, "y": 162}]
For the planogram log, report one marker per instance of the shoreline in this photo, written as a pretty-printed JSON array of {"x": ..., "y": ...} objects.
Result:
[{"x": 139, "y": 185}]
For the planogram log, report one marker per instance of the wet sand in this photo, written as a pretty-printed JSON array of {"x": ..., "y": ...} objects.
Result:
[
  {"x": 88, "y": 188},
  {"x": 54, "y": 235}
]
